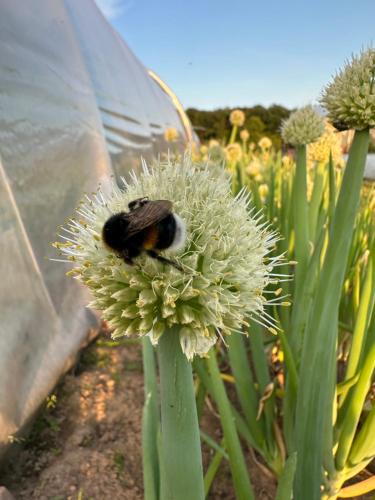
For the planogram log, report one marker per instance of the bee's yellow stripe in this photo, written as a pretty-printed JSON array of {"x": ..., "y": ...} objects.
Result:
[{"x": 151, "y": 238}]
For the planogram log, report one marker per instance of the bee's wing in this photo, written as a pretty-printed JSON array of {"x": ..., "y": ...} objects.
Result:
[{"x": 150, "y": 213}]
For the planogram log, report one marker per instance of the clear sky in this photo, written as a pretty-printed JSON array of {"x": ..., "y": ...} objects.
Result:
[{"x": 240, "y": 53}]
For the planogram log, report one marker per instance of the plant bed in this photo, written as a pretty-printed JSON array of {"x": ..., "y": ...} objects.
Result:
[{"x": 86, "y": 444}]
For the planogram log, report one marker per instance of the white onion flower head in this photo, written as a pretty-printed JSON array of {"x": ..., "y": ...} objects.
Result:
[
  {"x": 302, "y": 127},
  {"x": 225, "y": 261},
  {"x": 350, "y": 97}
]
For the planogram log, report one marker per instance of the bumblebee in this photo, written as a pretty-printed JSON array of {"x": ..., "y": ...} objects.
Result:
[{"x": 149, "y": 226}]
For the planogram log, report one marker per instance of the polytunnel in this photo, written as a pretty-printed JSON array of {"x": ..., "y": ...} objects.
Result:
[{"x": 76, "y": 107}]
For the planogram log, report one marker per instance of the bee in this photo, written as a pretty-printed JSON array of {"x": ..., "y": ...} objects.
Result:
[{"x": 149, "y": 226}]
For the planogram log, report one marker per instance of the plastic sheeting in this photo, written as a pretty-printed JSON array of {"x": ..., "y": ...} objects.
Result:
[{"x": 76, "y": 106}]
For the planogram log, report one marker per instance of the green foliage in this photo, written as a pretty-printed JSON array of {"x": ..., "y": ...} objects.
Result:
[
  {"x": 119, "y": 461},
  {"x": 316, "y": 211},
  {"x": 256, "y": 127},
  {"x": 313, "y": 436},
  {"x": 301, "y": 397},
  {"x": 259, "y": 121}
]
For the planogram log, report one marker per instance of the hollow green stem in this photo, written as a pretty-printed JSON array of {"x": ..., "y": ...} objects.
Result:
[
  {"x": 233, "y": 134},
  {"x": 314, "y": 405},
  {"x": 181, "y": 451},
  {"x": 316, "y": 199},
  {"x": 366, "y": 305},
  {"x": 364, "y": 445},
  {"x": 213, "y": 468},
  {"x": 237, "y": 462},
  {"x": 301, "y": 219},
  {"x": 354, "y": 412},
  {"x": 245, "y": 387},
  {"x": 150, "y": 424},
  {"x": 285, "y": 486}
]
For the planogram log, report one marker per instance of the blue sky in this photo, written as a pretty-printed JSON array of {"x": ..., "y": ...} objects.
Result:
[{"x": 240, "y": 53}]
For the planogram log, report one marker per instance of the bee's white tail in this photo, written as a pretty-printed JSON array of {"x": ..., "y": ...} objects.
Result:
[{"x": 180, "y": 237}]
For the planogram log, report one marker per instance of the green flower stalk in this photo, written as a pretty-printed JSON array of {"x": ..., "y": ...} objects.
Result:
[
  {"x": 225, "y": 269},
  {"x": 350, "y": 97},
  {"x": 303, "y": 127},
  {"x": 224, "y": 260}
]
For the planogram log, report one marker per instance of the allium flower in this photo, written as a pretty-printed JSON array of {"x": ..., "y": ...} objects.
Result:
[
  {"x": 302, "y": 127},
  {"x": 254, "y": 168},
  {"x": 215, "y": 152},
  {"x": 244, "y": 135},
  {"x": 350, "y": 97},
  {"x": 170, "y": 134},
  {"x": 265, "y": 156},
  {"x": 195, "y": 152},
  {"x": 329, "y": 142},
  {"x": 213, "y": 143},
  {"x": 263, "y": 191},
  {"x": 287, "y": 162},
  {"x": 265, "y": 143},
  {"x": 225, "y": 267},
  {"x": 233, "y": 152},
  {"x": 237, "y": 117}
]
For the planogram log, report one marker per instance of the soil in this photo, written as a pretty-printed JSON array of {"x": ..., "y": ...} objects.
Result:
[{"x": 86, "y": 442}]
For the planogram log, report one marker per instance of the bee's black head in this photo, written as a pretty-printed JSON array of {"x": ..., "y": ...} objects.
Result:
[
  {"x": 114, "y": 231},
  {"x": 139, "y": 202}
]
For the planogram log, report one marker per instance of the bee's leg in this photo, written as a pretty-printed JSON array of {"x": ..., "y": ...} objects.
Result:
[
  {"x": 127, "y": 257},
  {"x": 155, "y": 255},
  {"x": 127, "y": 260}
]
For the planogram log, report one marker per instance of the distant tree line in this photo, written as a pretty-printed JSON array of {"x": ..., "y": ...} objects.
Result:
[{"x": 260, "y": 122}]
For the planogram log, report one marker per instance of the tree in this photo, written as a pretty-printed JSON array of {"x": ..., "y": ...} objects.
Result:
[{"x": 260, "y": 121}]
